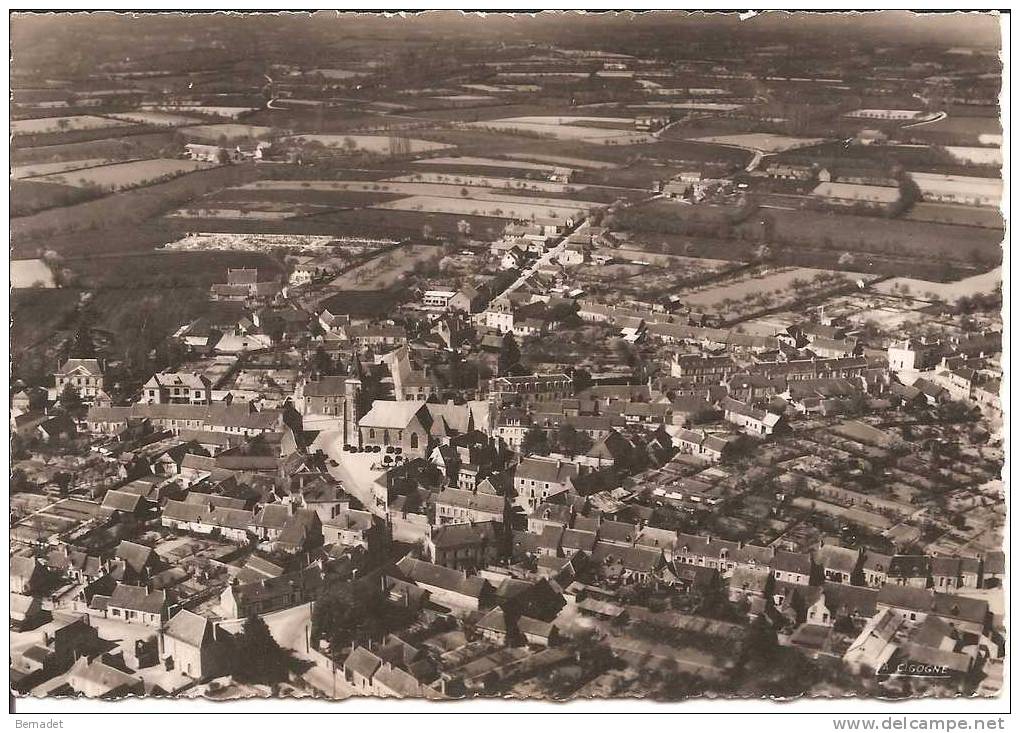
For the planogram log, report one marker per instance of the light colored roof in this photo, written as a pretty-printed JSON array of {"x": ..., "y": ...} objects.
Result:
[
  {"x": 351, "y": 519},
  {"x": 837, "y": 558},
  {"x": 469, "y": 500},
  {"x": 456, "y": 417},
  {"x": 21, "y": 603},
  {"x": 178, "y": 379},
  {"x": 85, "y": 366},
  {"x": 391, "y": 414},
  {"x": 23, "y": 567},
  {"x": 461, "y": 535},
  {"x": 535, "y": 469},
  {"x": 183, "y": 511},
  {"x": 122, "y": 501},
  {"x": 99, "y": 675},
  {"x": 188, "y": 627}
]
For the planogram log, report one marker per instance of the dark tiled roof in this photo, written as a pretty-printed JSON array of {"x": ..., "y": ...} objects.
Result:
[
  {"x": 137, "y": 599},
  {"x": 426, "y": 573}
]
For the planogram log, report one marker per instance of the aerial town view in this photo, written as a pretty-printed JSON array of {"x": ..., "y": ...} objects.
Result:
[{"x": 553, "y": 356}]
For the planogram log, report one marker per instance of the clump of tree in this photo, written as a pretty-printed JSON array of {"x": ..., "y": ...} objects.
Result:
[
  {"x": 259, "y": 658},
  {"x": 536, "y": 442},
  {"x": 348, "y": 613}
]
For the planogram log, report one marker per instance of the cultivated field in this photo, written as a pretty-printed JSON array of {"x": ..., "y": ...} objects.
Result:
[
  {"x": 895, "y": 237},
  {"x": 567, "y": 128},
  {"x": 334, "y": 74},
  {"x": 211, "y": 241},
  {"x": 384, "y": 271},
  {"x": 411, "y": 188},
  {"x": 639, "y": 276},
  {"x": 161, "y": 119},
  {"x": 562, "y": 160},
  {"x": 19, "y": 172},
  {"x": 231, "y": 113},
  {"x": 31, "y": 274},
  {"x": 969, "y": 127},
  {"x": 60, "y": 124},
  {"x": 517, "y": 184},
  {"x": 373, "y": 143},
  {"x": 763, "y": 288},
  {"x": 765, "y": 142},
  {"x": 510, "y": 208},
  {"x": 464, "y": 97},
  {"x": 231, "y": 131},
  {"x": 443, "y": 198},
  {"x": 886, "y": 114},
  {"x": 984, "y": 284},
  {"x": 266, "y": 212},
  {"x": 690, "y": 106},
  {"x": 117, "y": 176},
  {"x": 487, "y": 162},
  {"x": 975, "y": 155},
  {"x": 968, "y": 216},
  {"x": 146, "y": 145}
]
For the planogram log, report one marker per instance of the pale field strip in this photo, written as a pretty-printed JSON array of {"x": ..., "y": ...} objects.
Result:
[
  {"x": 565, "y": 131},
  {"x": 26, "y": 273},
  {"x": 695, "y": 106},
  {"x": 32, "y": 170},
  {"x": 541, "y": 74},
  {"x": 225, "y": 213},
  {"x": 371, "y": 143},
  {"x": 164, "y": 119},
  {"x": 707, "y": 91},
  {"x": 983, "y": 284},
  {"x": 468, "y": 207},
  {"x": 562, "y": 160},
  {"x": 247, "y": 241},
  {"x": 861, "y": 516},
  {"x": 490, "y": 162},
  {"x": 52, "y": 124},
  {"x": 886, "y": 114},
  {"x": 125, "y": 174},
  {"x": 516, "y": 184},
  {"x": 486, "y": 88},
  {"x": 384, "y": 272},
  {"x": 678, "y": 91},
  {"x": 464, "y": 97},
  {"x": 939, "y": 184},
  {"x": 975, "y": 155},
  {"x": 568, "y": 119},
  {"x": 764, "y": 282},
  {"x": 294, "y": 102},
  {"x": 761, "y": 141},
  {"x": 631, "y": 254},
  {"x": 52, "y": 104},
  {"x": 433, "y": 190},
  {"x": 215, "y": 111},
  {"x": 336, "y": 73},
  {"x": 227, "y": 129}
]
